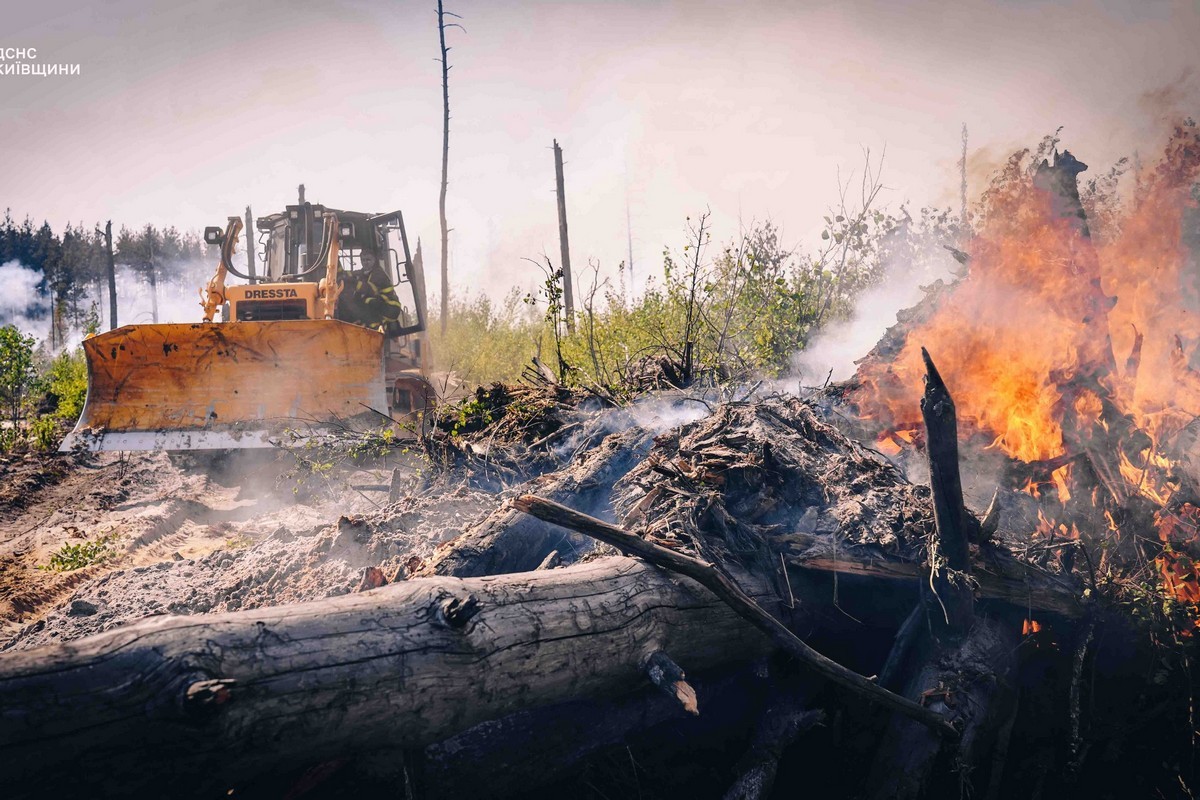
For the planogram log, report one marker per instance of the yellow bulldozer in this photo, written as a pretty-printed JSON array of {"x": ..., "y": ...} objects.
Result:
[{"x": 329, "y": 332}]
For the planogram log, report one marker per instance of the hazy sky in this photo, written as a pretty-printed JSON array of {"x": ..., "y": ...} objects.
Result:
[{"x": 184, "y": 113}]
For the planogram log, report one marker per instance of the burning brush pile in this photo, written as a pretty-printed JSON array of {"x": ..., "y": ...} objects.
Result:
[{"x": 1071, "y": 344}]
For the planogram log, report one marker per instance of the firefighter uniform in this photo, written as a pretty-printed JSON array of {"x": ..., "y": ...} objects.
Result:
[{"x": 369, "y": 298}]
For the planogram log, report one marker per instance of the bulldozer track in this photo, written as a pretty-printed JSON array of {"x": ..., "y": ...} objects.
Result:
[
  {"x": 50, "y": 594},
  {"x": 161, "y": 547},
  {"x": 160, "y": 536},
  {"x": 151, "y": 508},
  {"x": 182, "y": 523}
]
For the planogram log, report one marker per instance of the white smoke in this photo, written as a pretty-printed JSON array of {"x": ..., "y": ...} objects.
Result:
[
  {"x": 176, "y": 297},
  {"x": 833, "y": 353},
  {"x": 21, "y": 303}
]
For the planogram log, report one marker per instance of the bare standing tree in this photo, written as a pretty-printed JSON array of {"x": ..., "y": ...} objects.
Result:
[
  {"x": 962, "y": 166},
  {"x": 568, "y": 282},
  {"x": 693, "y": 308},
  {"x": 112, "y": 276},
  {"x": 151, "y": 236},
  {"x": 441, "y": 15}
]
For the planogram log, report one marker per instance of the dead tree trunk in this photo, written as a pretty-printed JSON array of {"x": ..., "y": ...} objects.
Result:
[
  {"x": 563, "y": 243},
  {"x": 213, "y": 701},
  {"x": 963, "y": 664},
  {"x": 152, "y": 274},
  {"x": 441, "y": 15},
  {"x": 112, "y": 276},
  {"x": 949, "y": 555}
]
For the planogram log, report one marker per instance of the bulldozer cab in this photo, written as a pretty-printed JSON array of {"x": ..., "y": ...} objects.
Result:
[{"x": 382, "y": 285}]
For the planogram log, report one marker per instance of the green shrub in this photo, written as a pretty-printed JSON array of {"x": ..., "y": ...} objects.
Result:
[
  {"x": 746, "y": 308},
  {"x": 84, "y": 554},
  {"x": 43, "y": 433},
  {"x": 17, "y": 373},
  {"x": 66, "y": 379},
  {"x": 485, "y": 342}
]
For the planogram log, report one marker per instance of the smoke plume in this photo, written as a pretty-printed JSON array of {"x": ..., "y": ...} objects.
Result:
[{"x": 22, "y": 303}]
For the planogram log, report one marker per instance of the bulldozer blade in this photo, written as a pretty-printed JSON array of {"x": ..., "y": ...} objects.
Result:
[{"x": 231, "y": 385}]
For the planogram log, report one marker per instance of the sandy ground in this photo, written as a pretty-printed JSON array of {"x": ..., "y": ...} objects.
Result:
[{"x": 193, "y": 536}]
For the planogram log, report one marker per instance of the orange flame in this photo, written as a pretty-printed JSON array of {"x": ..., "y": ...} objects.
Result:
[
  {"x": 1044, "y": 311},
  {"x": 1179, "y": 533}
]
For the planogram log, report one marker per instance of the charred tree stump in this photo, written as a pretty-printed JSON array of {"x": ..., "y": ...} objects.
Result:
[
  {"x": 970, "y": 683},
  {"x": 952, "y": 604},
  {"x": 960, "y": 666}
]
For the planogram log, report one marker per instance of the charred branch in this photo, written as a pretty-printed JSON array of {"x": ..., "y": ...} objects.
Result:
[
  {"x": 720, "y": 585},
  {"x": 785, "y": 720},
  {"x": 949, "y": 558},
  {"x": 670, "y": 678}
]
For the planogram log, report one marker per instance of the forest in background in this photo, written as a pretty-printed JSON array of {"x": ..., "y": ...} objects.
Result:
[{"x": 66, "y": 272}]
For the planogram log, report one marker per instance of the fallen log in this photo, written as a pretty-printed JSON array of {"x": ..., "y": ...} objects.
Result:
[
  {"x": 210, "y": 702},
  {"x": 779, "y": 726},
  {"x": 506, "y": 541},
  {"x": 1005, "y": 580},
  {"x": 220, "y": 699}
]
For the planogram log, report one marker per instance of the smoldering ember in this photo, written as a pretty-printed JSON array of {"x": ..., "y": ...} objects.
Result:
[{"x": 901, "y": 500}]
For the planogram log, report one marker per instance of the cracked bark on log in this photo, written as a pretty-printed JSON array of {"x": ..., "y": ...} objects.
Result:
[{"x": 213, "y": 701}]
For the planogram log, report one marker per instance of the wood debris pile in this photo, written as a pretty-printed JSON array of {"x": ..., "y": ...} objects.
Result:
[{"x": 503, "y": 433}]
